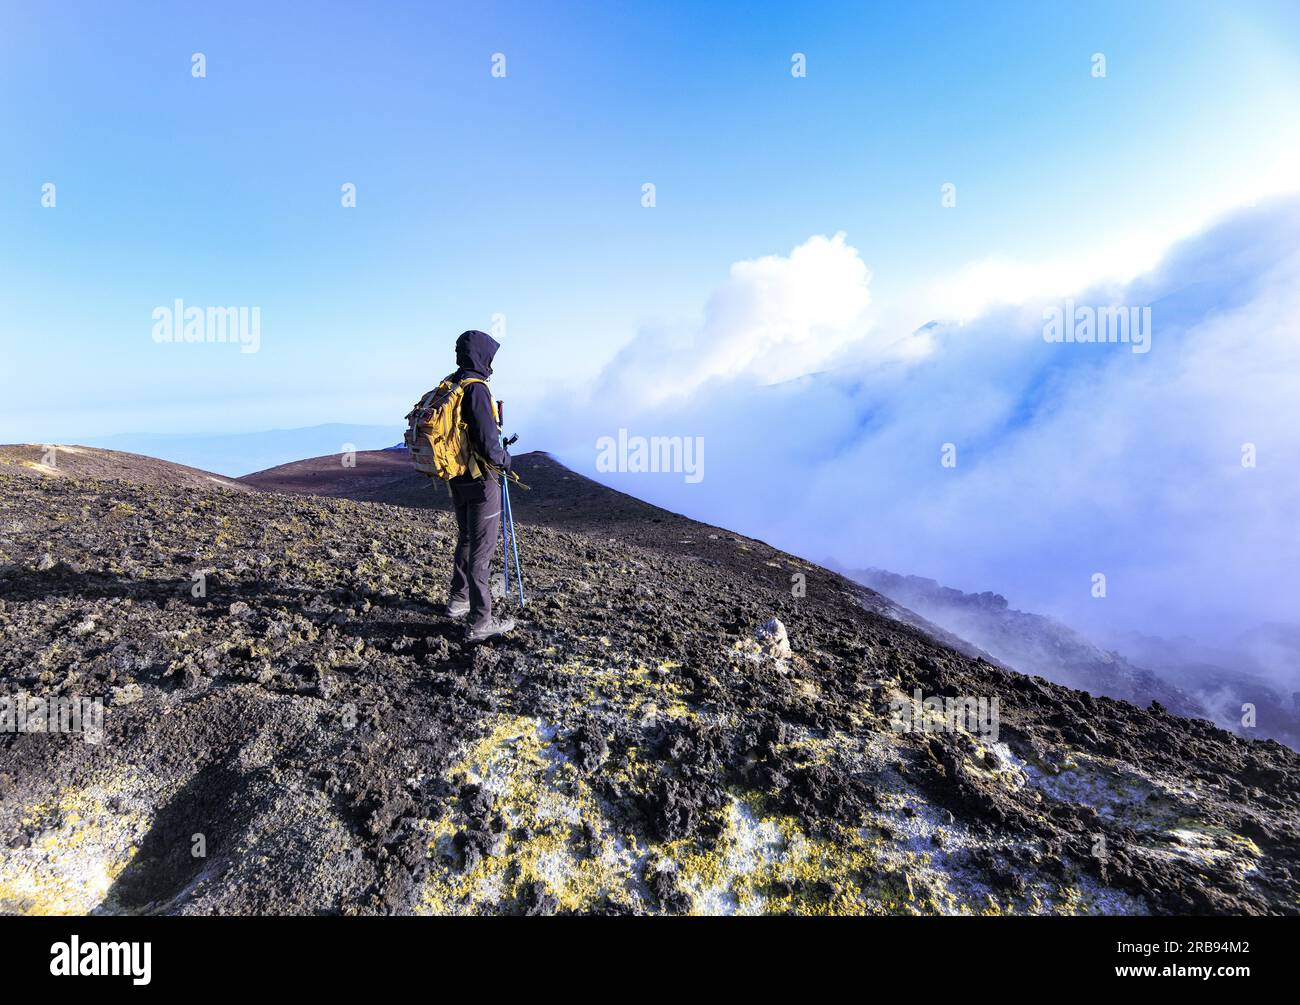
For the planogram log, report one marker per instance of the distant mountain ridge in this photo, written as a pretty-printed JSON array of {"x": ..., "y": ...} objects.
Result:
[
  {"x": 1188, "y": 681},
  {"x": 236, "y": 454},
  {"x": 75, "y": 461}
]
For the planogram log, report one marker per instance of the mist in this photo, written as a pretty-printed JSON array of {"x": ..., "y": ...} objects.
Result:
[{"x": 1119, "y": 488}]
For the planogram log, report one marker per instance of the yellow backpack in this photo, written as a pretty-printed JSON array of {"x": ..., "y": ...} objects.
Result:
[{"x": 438, "y": 435}]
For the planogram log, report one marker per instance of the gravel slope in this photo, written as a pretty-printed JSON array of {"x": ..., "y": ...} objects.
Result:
[{"x": 311, "y": 736}]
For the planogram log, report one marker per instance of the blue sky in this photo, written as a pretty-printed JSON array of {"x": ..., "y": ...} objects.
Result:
[{"x": 522, "y": 196}]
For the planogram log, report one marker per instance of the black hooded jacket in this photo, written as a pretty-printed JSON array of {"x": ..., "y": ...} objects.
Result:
[{"x": 474, "y": 353}]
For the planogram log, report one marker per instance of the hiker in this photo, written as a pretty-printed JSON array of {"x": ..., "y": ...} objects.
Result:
[{"x": 477, "y": 493}]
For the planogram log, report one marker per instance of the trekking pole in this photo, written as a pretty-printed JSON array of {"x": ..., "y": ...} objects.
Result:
[
  {"x": 505, "y": 527},
  {"x": 505, "y": 530},
  {"x": 509, "y": 540},
  {"x": 514, "y": 539}
]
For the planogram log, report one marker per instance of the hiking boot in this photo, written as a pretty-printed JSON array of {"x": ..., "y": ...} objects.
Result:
[
  {"x": 457, "y": 608},
  {"x": 495, "y": 627}
]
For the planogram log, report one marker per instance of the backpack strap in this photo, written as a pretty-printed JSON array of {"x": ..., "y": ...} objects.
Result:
[
  {"x": 477, "y": 464},
  {"x": 479, "y": 380}
]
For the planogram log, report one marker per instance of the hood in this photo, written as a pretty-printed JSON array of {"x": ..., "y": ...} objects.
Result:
[{"x": 474, "y": 351}]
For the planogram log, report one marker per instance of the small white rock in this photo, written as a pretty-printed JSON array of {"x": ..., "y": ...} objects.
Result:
[{"x": 771, "y": 635}]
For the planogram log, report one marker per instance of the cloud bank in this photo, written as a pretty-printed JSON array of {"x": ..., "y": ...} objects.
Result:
[
  {"x": 775, "y": 318},
  {"x": 827, "y": 436}
]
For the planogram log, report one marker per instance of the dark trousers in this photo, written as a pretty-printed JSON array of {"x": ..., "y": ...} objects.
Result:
[{"x": 478, "y": 521}]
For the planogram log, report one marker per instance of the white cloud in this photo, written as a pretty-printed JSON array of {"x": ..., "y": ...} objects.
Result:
[
  {"x": 997, "y": 280},
  {"x": 1072, "y": 459},
  {"x": 1115, "y": 257},
  {"x": 776, "y": 317}
]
